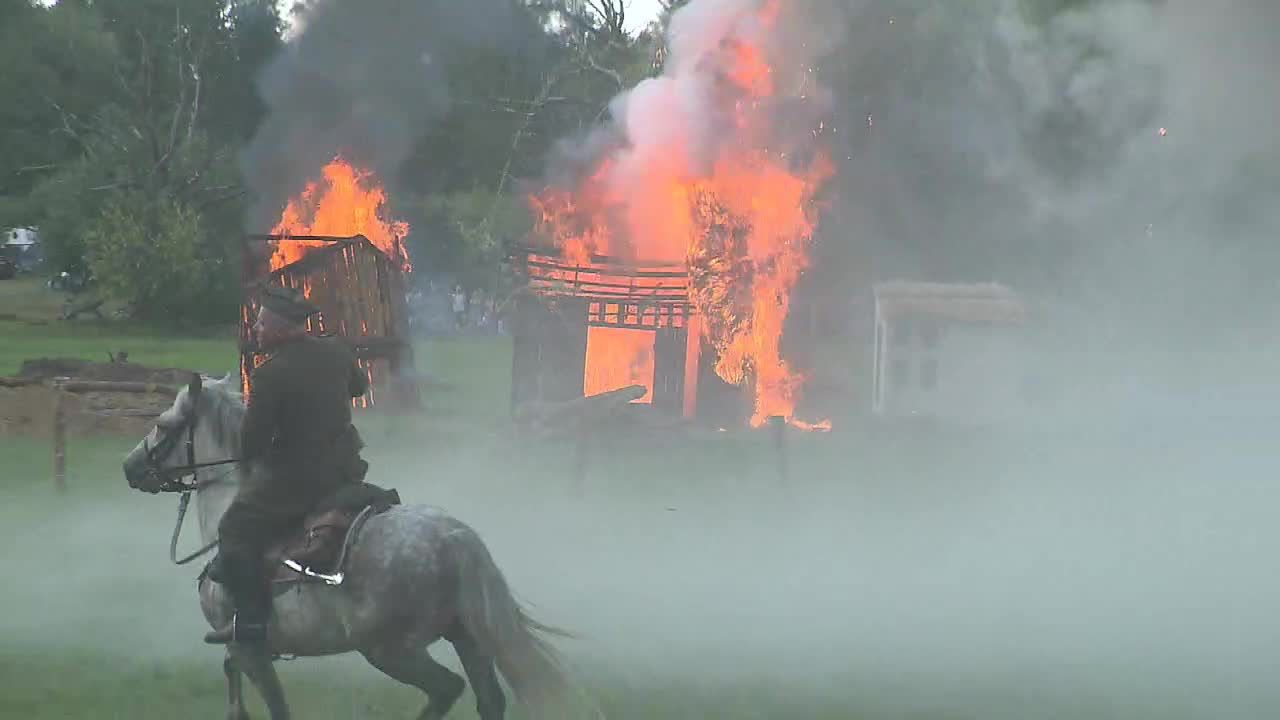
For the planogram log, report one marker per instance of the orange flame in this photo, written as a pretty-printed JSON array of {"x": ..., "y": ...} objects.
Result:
[
  {"x": 741, "y": 221},
  {"x": 618, "y": 358},
  {"x": 750, "y": 70},
  {"x": 346, "y": 202},
  {"x": 754, "y": 220}
]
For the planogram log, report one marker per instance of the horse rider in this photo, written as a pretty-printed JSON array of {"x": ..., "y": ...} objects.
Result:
[{"x": 298, "y": 425}]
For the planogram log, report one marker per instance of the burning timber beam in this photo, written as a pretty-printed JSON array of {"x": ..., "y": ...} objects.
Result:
[{"x": 576, "y": 414}]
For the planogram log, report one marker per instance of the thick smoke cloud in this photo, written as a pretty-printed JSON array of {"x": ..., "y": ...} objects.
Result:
[
  {"x": 735, "y": 82},
  {"x": 994, "y": 141},
  {"x": 364, "y": 78}
]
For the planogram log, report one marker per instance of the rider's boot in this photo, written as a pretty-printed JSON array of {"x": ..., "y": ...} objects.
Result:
[
  {"x": 252, "y": 600},
  {"x": 243, "y": 629}
]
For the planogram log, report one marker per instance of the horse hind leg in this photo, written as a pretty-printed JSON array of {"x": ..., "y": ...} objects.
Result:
[
  {"x": 235, "y": 689},
  {"x": 491, "y": 703},
  {"x": 256, "y": 663},
  {"x": 415, "y": 666}
]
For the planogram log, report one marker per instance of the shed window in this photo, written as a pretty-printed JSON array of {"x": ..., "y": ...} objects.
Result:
[
  {"x": 902, "y": 332},
  {"x": 929, "y": 373},
  {"x": 928, "y": 333},
  {"x": 901, "y": 373}
]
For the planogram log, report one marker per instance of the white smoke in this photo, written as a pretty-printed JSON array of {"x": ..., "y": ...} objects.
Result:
[
  {"x": 1010, "y": 146},
  {"x": 673, "y": 128}
]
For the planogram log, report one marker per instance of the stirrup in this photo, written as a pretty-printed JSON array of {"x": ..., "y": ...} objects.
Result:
[{"x": 238, "y": 632}]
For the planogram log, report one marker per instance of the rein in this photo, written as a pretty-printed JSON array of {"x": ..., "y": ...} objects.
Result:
[
  {"x": 183, "y": 502},
  {"x": 171, "y": 479}
]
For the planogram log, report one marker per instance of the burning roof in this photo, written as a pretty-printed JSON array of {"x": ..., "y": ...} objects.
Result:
[
  {"x": 345, "y": 202},
  {"x": 712, "y": 172}
]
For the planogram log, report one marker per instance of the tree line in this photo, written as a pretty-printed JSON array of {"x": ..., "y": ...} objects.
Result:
[
  {"x": 966, "y": 150},
  {"x": 121, "y": 123}
]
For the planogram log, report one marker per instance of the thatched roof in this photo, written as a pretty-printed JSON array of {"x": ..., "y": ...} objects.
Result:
[{"x": 973, "y": 303}]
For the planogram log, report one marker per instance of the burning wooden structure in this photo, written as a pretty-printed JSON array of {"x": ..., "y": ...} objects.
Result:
[
  {"x": 587, "y": 328},
  {"x": 361, "y": 295}
]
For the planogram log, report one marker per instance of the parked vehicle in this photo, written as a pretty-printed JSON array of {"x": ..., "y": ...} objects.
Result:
[{"x": 22, "y": 247}]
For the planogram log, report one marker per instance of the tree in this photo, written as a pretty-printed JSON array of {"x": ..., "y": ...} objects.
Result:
[
  {"x": 497, "y": 91},
  {"x": 471, "y": 234},
  {"x": 56, "y": 74},
  {"x": 250, "y": 38},
  {"x": 601, "y": 58},
  {"x": 149, "y": 101},
  {"x": 146, "y": 252},
  {"x": 510, "y": 105},
  {"x": 102, "y": 209}
]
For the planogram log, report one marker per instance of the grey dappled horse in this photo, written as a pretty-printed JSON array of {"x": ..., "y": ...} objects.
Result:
[{"x": 413, "y": 575}]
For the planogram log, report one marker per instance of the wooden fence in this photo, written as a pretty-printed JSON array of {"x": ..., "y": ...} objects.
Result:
[{"x": 61, "y": 387}]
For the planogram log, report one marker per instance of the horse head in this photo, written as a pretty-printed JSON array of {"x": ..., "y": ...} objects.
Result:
[{"x": 169, "y": 443}]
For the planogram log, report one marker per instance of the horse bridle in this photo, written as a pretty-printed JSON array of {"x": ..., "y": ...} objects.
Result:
[{"x": 172, "y": 479}]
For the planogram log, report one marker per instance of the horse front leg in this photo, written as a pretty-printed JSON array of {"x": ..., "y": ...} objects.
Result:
[
  {"x": 235, "y": 689},
  {"x": 256, "y": 663}
]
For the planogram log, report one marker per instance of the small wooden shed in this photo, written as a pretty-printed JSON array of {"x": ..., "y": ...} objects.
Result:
[
  {"x": 948, "y": 351},
  {"x": 582, "y": 330},
  {"x": 361, "y": 295},
  {"x": 585, "y": 328}
]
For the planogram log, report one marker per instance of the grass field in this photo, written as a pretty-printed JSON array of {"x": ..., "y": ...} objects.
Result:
[
  {"x": 913, "y": 576},
  {"x": 96, "y": 671},
  {"x": 94, "y": 589},
  {"x": 98, "y": 626},
  {"x": 30, "y": 329}
]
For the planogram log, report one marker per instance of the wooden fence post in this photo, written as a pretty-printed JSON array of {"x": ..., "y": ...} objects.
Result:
[
  {"x": 581, "y": 451},
  {"x": 59, "y": 439},
  {"x": 779, "y": 425}
]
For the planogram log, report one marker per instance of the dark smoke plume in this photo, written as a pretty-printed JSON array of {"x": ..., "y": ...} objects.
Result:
[
  {"x": 1121, "y": 153},
  {"x": 364, "y": 78}
]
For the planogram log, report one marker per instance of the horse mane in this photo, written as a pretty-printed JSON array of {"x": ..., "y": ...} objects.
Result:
[{"x": 225, "y": 408}]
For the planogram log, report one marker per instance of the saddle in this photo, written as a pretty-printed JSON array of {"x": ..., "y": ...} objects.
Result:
[
  {"x": 316, "y": 550},
  {"x": 314, "y": 553}
]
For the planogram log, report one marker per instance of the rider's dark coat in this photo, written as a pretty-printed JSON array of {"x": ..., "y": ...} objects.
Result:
[{"x": 299, "y": 423}]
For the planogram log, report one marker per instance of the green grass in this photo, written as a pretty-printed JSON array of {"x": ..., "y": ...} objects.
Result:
[
  {"x": 474, "y": 376},
  {"x": 101, "y": 687},
  {"x": 27, "y": 299},
  {"x": 30, "y": 329},
  {"x": 84, "y": 341},
  {"x": 105, "y": 671},
  {"x": 98, "y": 687},
  {"x": 94, "y": 624},
  {"x": 125, "y": 634},
  {"x": 469, "y": 379}
]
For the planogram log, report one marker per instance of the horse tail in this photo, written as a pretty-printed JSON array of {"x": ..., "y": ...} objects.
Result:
[{"x": 503, "y": 629}]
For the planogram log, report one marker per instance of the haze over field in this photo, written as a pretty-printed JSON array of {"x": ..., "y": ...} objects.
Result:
[
  {"x": 1107, "y": 554},
  {"x": 1017, "y": 576}
]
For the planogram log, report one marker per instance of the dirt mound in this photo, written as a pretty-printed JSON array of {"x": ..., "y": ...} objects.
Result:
[
  {"x": 27, "y": 409},
  {"x": 124, "y": 371}
]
